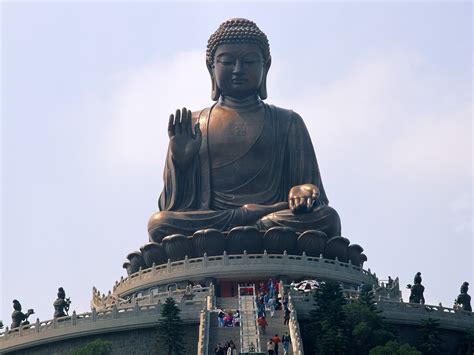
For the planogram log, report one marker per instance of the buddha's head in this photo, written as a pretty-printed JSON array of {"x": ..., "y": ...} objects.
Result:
[{"x": 238, "y": 59}]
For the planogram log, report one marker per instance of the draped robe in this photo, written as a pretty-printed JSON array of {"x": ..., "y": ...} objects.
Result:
[{"x": 201, "y": 197}]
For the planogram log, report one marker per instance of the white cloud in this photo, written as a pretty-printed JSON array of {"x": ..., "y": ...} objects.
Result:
[
  {"x": 141, "y": 103},
  {"x": 389, "y": 115},
  {"x": 438, "y": 147}
]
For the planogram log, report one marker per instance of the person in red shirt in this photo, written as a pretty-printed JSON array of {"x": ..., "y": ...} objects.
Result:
[
  {"x": 276, "y": 340},
  {"x": 262, "y": 324}
]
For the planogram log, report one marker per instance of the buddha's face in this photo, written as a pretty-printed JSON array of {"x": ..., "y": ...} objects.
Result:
[{"x": 239, "y": 69}]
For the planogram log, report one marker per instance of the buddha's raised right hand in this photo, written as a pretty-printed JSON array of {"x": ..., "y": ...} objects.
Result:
[{"x": 184, "y": 143}]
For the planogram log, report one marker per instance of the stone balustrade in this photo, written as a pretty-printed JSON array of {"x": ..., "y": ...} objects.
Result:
[
  {"x": 204, "y": 324},
  {"x": 103, "y": 301},
  {"x": 296, "y": 340},
  {"x": 403, "y": 313},
  {"x": 115, "y": 318},
  {"x": 241, "y": 265}
]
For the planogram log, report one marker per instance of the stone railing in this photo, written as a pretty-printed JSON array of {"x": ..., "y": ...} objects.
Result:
[
  {"x": 115, "y": 318},
  {"x": 415, "y": 313},
  {"x": 242, "y": 264},
  {"x": 103, "y": 301},
  {"x": 296, "y": 341},
  {"x": 403, "y": 313},
  {"x": 205, "y": 322}
]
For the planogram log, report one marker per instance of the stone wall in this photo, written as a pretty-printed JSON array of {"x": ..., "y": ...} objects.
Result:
[{"x": 139, "y": 341}]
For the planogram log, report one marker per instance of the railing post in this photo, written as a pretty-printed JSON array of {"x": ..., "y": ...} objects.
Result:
[
  {"x": 224, "y": 259},
  {"x": 205, "y": 261},
  {"x": 37, "y": 325},
  {"x": 114, "y": 311},
  {"x": 168, "y": 266},
  {"x": 74, "y": 318},
  {"x": 94, "y": 315},
  {"x": 186, "y": 262},
  {"x": 136, "y": 308},
  {"x": 55, "y": 322}
]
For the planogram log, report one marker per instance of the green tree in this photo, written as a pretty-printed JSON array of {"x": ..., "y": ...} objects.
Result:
[
  {"x": 97, "y": 347},
  {"x": 365, "y": 325},
  {"x": 365, "y": 328},
  {"x": 394, "y": 348},
  {"x": 366, "y": 297},
  {"x": 466, "y": 345},
  {"x": 431, "y": 343},
  {"x": 170, "y": 329},
  {"x": 328, "y": 327}
]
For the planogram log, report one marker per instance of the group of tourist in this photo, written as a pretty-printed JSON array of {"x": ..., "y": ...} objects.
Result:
[
  {"x": 228, "y": 348},
  {"x": 228, "y": 318},
  {"x": 268, "y": 300},
  {"x": 274, "y": 341}
]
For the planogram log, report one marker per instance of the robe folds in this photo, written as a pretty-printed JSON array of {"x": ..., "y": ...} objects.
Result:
[{"x": 193, "y": 200}]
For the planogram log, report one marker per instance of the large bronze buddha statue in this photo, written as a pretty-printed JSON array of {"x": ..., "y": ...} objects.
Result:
[
  {"x": 241, "y": 161},
  {"x": 241, "y": 175}
]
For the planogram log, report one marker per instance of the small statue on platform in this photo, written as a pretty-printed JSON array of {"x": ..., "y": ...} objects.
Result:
[
  {"x": 389, "y": 282},
  {"x": 18, "y": 317},
  {"x": 240, "y": 162},
  {"x": 464, "y": 300},
  {"x": 61, "y": 305},
  {"x": 416, "y": 295}
]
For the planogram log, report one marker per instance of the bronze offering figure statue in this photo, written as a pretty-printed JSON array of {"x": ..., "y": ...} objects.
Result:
[
  {"x": 61, "y": 305},
  {"x": 464, "y": 300},
  {"x": 241, "y": 162},
  {"x": 416, "y": 295},
  {"x": 18, "y": 317}
]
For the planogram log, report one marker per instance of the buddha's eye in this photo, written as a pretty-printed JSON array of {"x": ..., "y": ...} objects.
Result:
[{"x": 225, "y": 60}]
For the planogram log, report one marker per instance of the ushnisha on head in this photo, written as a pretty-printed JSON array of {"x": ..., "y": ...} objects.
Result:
[{"x": 238, "y": 31}]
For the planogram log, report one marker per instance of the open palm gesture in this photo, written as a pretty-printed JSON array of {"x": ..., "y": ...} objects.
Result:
[{"x": 184, "y": 143}]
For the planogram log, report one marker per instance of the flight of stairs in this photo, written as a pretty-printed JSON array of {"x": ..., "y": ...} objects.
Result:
[
  {"x": 275, "y": 326},
  {"x": 225, "y": 334}
]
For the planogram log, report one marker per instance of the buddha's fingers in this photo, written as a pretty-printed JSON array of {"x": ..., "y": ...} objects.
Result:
[
  {"x": 309, "y": 202},
  {"x": 171, "y": 126},
  {"x": 301, "y": 202},
  {"x": 189, "y": 129},
  {"x": 177, "y": 122}
]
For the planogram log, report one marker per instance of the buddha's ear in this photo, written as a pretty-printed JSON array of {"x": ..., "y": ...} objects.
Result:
[
  {"x": 262, "y": 90},
  {"x": 215, "y": 93}
]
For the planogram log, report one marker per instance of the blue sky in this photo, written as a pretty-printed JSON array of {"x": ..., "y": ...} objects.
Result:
[{"x": 384, "y": 88}]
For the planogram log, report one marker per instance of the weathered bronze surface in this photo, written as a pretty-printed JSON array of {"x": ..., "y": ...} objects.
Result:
[
  {"x": 417, "y": 290},
  {"x": 61, "y": 305},
  {"x": 241, "y": 175},
  {"x": 464, "y": 300},
  {"x": 18, "y": 317},
  {"x": 240, "y": 162}
]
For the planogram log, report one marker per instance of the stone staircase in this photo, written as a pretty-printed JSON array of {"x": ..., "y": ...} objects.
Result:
[
  {"x": 248, "y": 310},
  {"x": 222, "y": 335},
  {"x": 275, "y": 326}
]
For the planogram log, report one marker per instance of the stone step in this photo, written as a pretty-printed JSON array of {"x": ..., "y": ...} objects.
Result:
[
  {"x": 227, "y": 303},
  {"x": 222, "y": 335},
  {"x": 275, "y": 326}
]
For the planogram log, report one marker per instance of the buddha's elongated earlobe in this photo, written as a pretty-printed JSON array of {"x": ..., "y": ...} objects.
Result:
[
  {"x": 215, "y": 93},
  {"x": 262, "y": 90}
]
